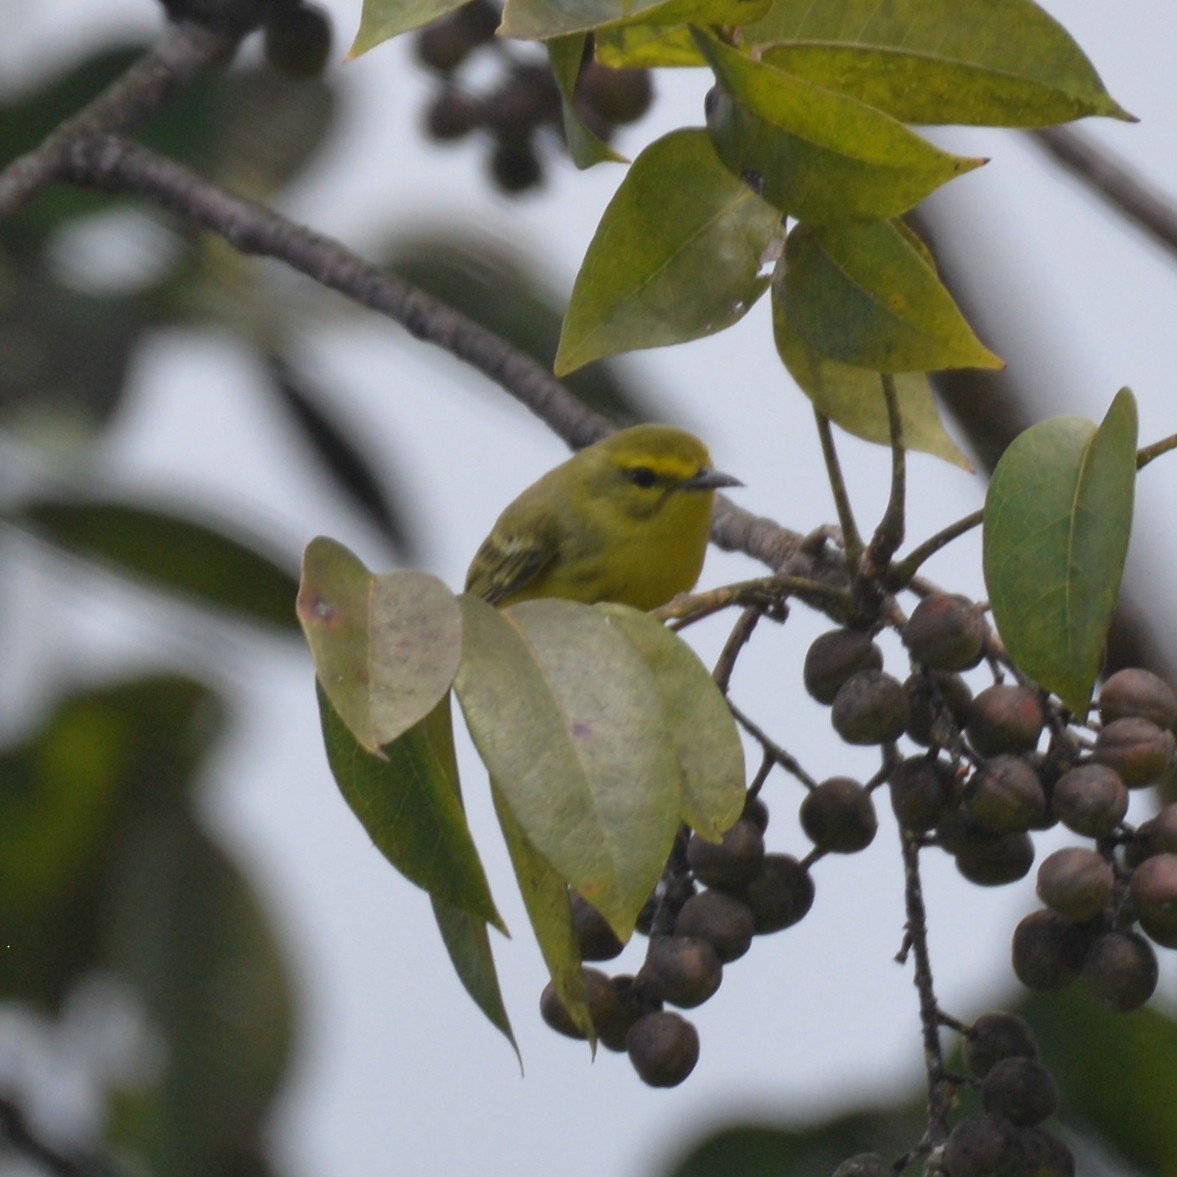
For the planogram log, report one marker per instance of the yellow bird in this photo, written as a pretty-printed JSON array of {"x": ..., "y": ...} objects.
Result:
[{"x": 625, "y": 519}]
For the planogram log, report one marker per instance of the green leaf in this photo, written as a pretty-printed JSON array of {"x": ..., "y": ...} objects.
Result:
[
  {"x": 468, "y": 945},
  {"x": 863, "y": 294},
  {"x": 697, "y": 720},
  {"x": 1002, "y": 63},
  {"x": 585, "y": 148},
  {"x": 539, "y": 20},
  {"x": 566, "y": 716},
  {"x": 814, "y": 154},
  {"x": 382, "y": 20},
  {"x": 386, "y": 648},
  {"x": 676, "y": 256},
  {"x": 646, "y": 47},
  {"x": 171, "y": 553},
  {"x": 1057, "y": 519},
  {"x": 549, "y": 907},
  {"x": 409, "y": 802},
  {"x": 853, "y": 397}
]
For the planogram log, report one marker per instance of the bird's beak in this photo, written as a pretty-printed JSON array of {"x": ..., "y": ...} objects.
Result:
[{"x": 710, "y": 480}]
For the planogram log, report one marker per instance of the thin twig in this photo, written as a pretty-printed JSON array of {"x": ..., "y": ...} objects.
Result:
[
  {"x": 1148, "y": 453},
  {"x": 851, "y": 538},
  {"x": 903, "y": 572},
  {"x": 890, "y": 531},
  {"x": 738, "y": 638},
  {"x": 771, "y": 748}
]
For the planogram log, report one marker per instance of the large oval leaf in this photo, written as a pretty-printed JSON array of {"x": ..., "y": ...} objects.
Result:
[
  {"x": 1057, "y": 519},
  {"x": 676, "y": 256},
  {"x": 1000, "y": 63},
  {"x": 566, "y": 716},
  {"x": 853, "y": 397},
  {"x": 409, "y": 802},
  {"x": 814, "y": 154},
  {"x": 697, "y": 720},
  {"x": 170, "y": 552},
  {"x": 865, "y": 294},
  {"x": 386, "y": 648}
]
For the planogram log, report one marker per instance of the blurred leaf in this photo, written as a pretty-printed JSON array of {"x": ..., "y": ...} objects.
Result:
[
  {"x": 169, "y": 553},
  {"x": 382, "y": 20},
  {"x": 853, "y": 397},
  {"x": 386, "y": 648},
  {"x": 1057, "y": 520},
  {"x": 862, "y": 294},
  {"x": 676, "y": 256},
  {"x": 585, "y": 148},
  {"x": 187, "y": 932},
  {"x": 698, "y": 723},
  {"x": 1003, "y": 63},
  {"x": 814, "y": 154},
  {"x": 409, "y": 802},
  {"x": 646, "y": 46},
  {"x": 549, "y": 908},
  {"x": 481, "y": 281},
  {"x": 341, "y": 457},
  {"x": 566, "y": 716},
  {"x": 468, "y": 945},
  {"x": 68, "y": 788}
]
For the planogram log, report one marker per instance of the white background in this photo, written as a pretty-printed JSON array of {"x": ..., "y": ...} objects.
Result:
[{"x": 395, "y": 1070}]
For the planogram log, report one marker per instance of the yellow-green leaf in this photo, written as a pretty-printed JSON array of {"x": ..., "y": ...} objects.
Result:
[
  {"x": 409, "y": 802},
  {"x": 1001, "y": 62},
  {"x": 382, "y": 20},
  {"x": 549, "y": 907},
  {"x": 566, "y": 716},
  {"x": 1057, "y": 519},
  {"x": 698, "y": 721},
  {"x": 386, "y": 648},
  {"x": 863, "y": 294},
  {"x": 585, "y": 148},
  {"x": 814, "y": 154},
  {"x": 539, "y": 20},
  {"x": 676, "y": 256},
  {"x": 853, "y": 397}
]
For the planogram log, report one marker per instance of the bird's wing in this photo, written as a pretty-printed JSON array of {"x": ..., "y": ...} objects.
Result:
[{"x": 507, "y": 562}]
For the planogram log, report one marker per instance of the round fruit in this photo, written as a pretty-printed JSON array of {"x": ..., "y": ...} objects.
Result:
[
  {"x": 993, "y": 1037},
  {"x": 1121, "y": 970},
  {"x": 614, "y": 1025},
  {"x": 515, "y": 166},
  {"x": 992, "y": 860},
  {"x": 618, "y": 96},
  {"x": 939, "y": 707},
  {"x": 780, "y": 895},
  {"x": 682, "y": 970},
  {"x": 1075, "y": 882},
  {"x": 1090, "y": 800},
  {"x": 1154, "y": 896},
  {"x": 839, "y": 816},
  {"x": 1021, "y": 1090},
  {"x": 981, "y": 1147},
  {"x": 834, "y": 657},
  {"x": 724, "y": 921},
  {"x": 1005, "y": 718},
  {"x": 1139, "y": 694},
  {"x": 923, "y": 792},
  {"x": 663, "y": 1047},
  {"x": 731, "y": 864},
  {"x": 596, "y": 938},
  {"x": 298, "y": 40},
  {"x": 599, "y": 994},
  {"x": 1005, "y": 796},
  {"x": 871, "y": 707},
  {"x": 946, "y": 633},
  {"x": 1048, "y": 951},
  {"x": 1137, "y": 749}
]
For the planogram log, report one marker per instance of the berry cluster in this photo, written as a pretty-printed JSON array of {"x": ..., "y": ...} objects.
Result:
[
  {"x": 974, "y": 775},
  {"x": 523, "y": 101}
]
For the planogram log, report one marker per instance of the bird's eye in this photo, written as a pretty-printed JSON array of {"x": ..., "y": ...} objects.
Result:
[{"x": 642, "y": 476}]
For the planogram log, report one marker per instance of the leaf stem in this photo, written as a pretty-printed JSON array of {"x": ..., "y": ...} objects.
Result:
[
  {"x": 851, "y": 538},
  {"x": 1148, "y": 453},
  {"x": 890, "y": 531},
  {"x": 903, "y": 572}
]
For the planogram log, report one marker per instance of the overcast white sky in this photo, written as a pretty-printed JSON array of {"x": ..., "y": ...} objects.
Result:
[{"x": 396, "y": 1070}]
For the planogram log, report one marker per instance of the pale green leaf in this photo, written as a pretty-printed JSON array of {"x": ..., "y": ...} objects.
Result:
[
  {"x": 853, "y": 397},
  {"x": 814, "y": 154},
  {"x": 382, "y": 20},
  {"x": 539, "y": 20},
  {"x": 1001, "y": 62},
  {"x": 386, "y": 648},
  {"x": 862, "y": 294},
  {"x": 676, "y": 256},
  {"x": 1057, "y": 519},
  {"x": 409, "y": 803},
  {"x": 697, "y": 719},
  {"x": 565, "y": 714}
]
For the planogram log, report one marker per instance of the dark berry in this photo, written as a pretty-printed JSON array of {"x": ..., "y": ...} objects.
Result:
[
  {"x": 992, "y": 860},
  {"x": 946, "y": 633},
  {"x": 871, "y": 707},
  {"x": 1137, "y": 749},
  {"x": 939, "y": 707},
  {"x": 515, "y": 166},
  {"x": 298, "y": 40},
  {"x": 1042, "y": 1154},
  {"x": 834, "y": 657},
  {"x": 1076, "y": 882},
  {"x": 1154, "y": 896},
  {"x": 993, "y": 1037},
  {"x": 923, "y": 792},
  {"x": 839, "y": 816},
  {"x": 1048, "y": 951},
  {"x": 618, "y": 96},
  {"x": 731, "y": 864},
  {"x": 1120, "y": 968},
  {"x": 663, "y": 1047},
  {"x": 600, "y": 996},
  {"x": 1137, "y": 694},
  {"x": 724, "y": 921},
  {"x": 614, "y": 1026},
  {"x": 682, "y": 970},
  {"x": 1005, "y": 796},
  {"x": 983, "y": 1146},
  {"x": 451, "y": 114},
  {"x": 596, "y": 938},
  {"x": 1005, "y": 718},
  {"x": 1021, "y": 1090},
  {"x": 780, "y": 895},
  {"x": 1090, "y": 800}
]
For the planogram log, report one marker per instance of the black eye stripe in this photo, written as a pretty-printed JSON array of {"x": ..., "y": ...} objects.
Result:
[{"x": 642, "y": 476}]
